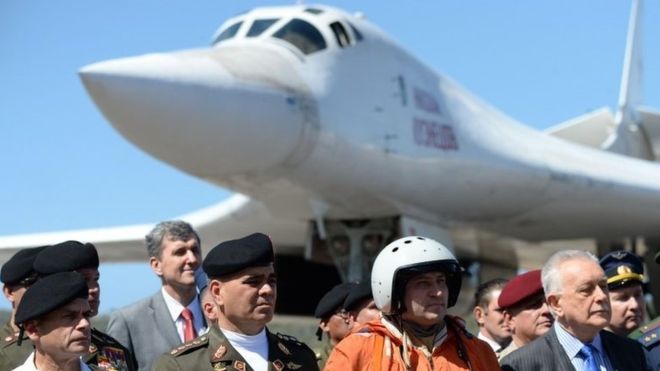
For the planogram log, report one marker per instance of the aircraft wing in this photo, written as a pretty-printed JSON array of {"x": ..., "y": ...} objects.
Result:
[
  {"x": 590, "y": 129},
  {"x": 234, "y": 217}
]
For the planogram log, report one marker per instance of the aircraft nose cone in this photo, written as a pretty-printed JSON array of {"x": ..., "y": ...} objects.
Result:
[{"x": 189, "y": 110}]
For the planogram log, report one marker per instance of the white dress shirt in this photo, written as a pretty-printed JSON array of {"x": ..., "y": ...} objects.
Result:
[
  {"x": 30, "y": 366},
  {"x": 175, "y": 308},
  {"x": 572, "y": 346}
]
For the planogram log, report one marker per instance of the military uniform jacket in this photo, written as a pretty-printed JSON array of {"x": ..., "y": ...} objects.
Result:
[
  {"x": 214, "y": 352},
  {"x": 108, "y": 354},
  {"x": 649, "y": 336},
  {"x": 12, "y": 355}
]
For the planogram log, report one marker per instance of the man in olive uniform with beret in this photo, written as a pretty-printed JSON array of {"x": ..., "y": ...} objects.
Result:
[
  {"x": 73, "y": 256},
  {"x": 649, "y": 336},
  {"x": 243, "y": 285},
  {"x": 334, "y": 319},
  {"x": 54, "y": 314},
  {"x": 17, "y": 275}
]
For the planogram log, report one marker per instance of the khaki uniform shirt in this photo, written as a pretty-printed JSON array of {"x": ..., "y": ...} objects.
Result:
[
  {"x": 508, "y": 350},
  {"x": 214, "y": 352},
  {"x": 12, "y": 355}
]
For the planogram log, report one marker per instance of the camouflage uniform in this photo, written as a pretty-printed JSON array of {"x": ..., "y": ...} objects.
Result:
[
  {"x": 649, "y": 336},
  {"x": 214, "y": 352},
  {"x": 12, "y": 355},
  {"x": 108, "y": 354}
]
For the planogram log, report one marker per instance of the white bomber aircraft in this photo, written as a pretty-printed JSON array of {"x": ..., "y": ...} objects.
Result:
[{"x": 265, "y": 111}]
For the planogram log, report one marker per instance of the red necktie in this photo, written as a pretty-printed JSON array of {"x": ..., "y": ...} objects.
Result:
[{"x": 189, "y": 332}]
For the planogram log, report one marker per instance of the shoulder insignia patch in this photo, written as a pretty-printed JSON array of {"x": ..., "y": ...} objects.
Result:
[
  {"x": 651, "y": 338},
  {"x": 649, "y": 327},
  {"x": 219, "y": 353},
  {"x": 278, "y": 365},
  {"x": 239, "y": 365}
]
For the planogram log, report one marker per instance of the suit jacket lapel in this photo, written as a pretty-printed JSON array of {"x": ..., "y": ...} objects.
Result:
[
  {"x": 616, "y": 362},
  {"x": 562, "y": 361},
  {"x": 163, "y": 321}
]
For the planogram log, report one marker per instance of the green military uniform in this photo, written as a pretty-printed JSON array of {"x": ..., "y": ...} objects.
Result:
[
  {"x": 12, "y": 355},
  {"x": 649, "y": 336},
  {"x": 108, "y": 354},
  {"x": 214, "y": 352}
]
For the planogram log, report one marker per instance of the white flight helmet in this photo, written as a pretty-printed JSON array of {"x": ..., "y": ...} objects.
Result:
[{"x": 405, "y": 257}]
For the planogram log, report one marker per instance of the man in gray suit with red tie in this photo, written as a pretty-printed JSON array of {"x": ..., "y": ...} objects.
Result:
[
  {"x": 172, "y": 315},
  {"x": 576, "y": 291}
]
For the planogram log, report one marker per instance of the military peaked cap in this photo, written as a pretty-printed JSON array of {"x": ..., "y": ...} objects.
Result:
[
  {"x": 255, "y": 250},
  {"x": 622, "y": 268}
]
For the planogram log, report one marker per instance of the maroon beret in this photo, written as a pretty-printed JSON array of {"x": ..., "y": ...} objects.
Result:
[{"x": 520, "y": 288}]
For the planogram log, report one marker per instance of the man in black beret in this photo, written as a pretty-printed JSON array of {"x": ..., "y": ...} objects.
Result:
[
  {"x": 54, "y": 314},
  {"x": 334, "y": 319},
  {"x": 17, "y": 276},
  {"x": 74, "y": 256},
  {"x": 360, "y": 304},
  {"x": 243, "y": 285}
]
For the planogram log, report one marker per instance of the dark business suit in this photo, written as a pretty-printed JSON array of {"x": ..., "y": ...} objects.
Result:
[
  {"x": 546, "y": 353},
  {"x": 146, "y": 329}
]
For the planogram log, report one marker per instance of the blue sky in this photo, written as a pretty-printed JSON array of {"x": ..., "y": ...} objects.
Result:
[{"x": 64, "y": 167}]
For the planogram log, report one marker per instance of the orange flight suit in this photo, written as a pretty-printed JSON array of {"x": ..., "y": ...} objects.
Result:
[{"x": 380, "y": 342}]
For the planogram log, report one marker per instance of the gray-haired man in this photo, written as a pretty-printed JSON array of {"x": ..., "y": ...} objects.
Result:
[{"x": 173, "y": 315}]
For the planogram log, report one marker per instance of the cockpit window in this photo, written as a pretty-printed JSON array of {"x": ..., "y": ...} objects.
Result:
[
  {"x": 302, "y": 35},
  {"x": 259, "y": 26},
  {"x": 314, "y": 10},
  {"x": 340, "y": 33},
  {"x": 229, "y": 32},
  {"x": 358, "y": 34}
]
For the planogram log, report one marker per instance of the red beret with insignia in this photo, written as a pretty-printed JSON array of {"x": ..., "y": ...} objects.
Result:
[{"x": 521, "y": 288}]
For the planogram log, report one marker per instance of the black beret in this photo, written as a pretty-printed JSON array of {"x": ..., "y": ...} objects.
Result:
[
  {"x": 65, "y": 257},
  {"x": 50, "y": 293},
  {"x": 255, "y": 250},
  {"x": 359, "y": 293},
  {"x": 622, "y": 268},
  {"x": 333, "y": 300},
  {"x": 20, "y": 266}
]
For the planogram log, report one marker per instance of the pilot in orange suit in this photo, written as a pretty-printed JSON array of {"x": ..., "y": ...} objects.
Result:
[{"x": 414, "y": 280}]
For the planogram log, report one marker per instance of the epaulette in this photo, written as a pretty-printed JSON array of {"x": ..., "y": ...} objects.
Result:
[
  {"x": 290, "y": 339},
  {"x": 650, "y": 336},
  {"x": 192, "y": 344},
  {"x": 99, "y": 337}
]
